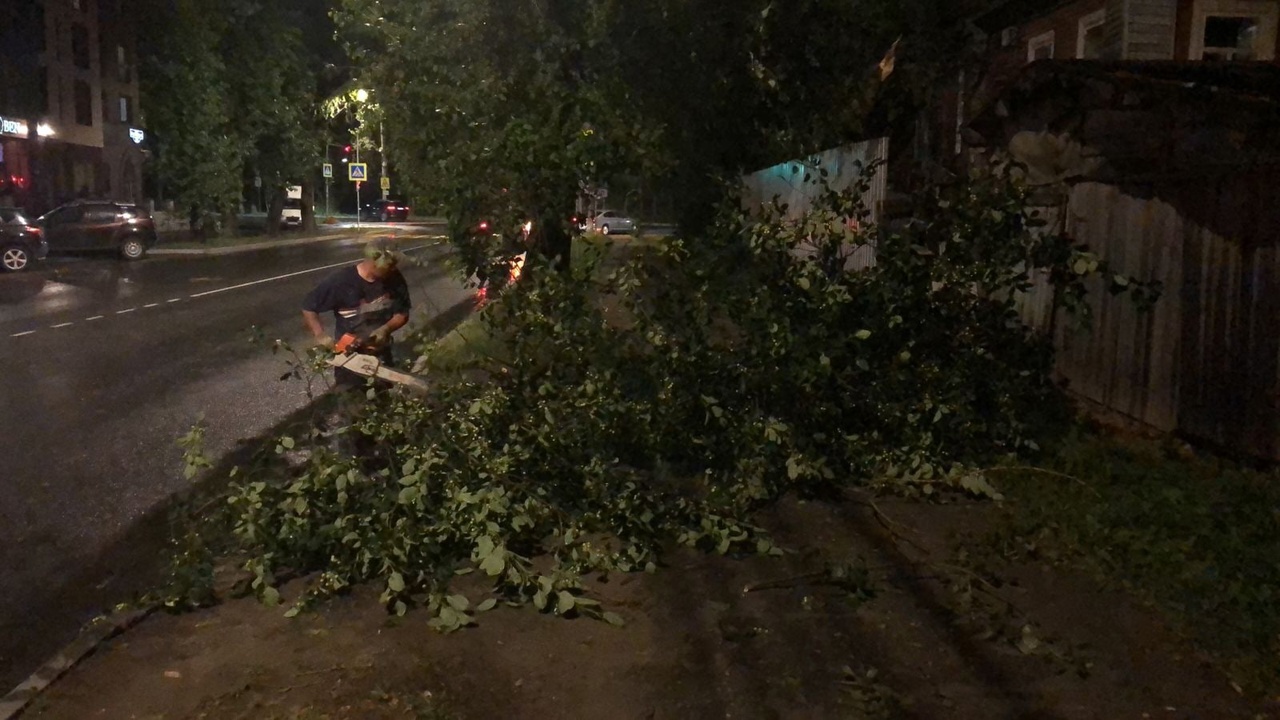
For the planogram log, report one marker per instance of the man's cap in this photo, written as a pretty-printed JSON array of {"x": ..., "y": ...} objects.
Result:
[{"x": 383, "y": 252}]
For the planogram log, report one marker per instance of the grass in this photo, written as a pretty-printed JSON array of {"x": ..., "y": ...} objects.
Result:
[
  {"x": 1197, "y": 537},
  {"x": 471, "y": 344}
]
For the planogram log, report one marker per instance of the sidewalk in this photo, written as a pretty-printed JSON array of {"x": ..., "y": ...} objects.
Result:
[{"x": 705, "y": 637}]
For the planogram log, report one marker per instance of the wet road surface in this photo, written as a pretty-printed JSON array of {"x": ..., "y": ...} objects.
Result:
[{"x": 103, "y": 364}]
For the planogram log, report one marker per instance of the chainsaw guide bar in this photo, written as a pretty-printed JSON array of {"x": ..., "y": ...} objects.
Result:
[{"x": 370, "y": 366}]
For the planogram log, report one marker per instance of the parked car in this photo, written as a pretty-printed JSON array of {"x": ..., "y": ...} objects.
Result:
[
  {"x": 386, "y": 210},
  {"x": 95, "y": 225},
  {"x": 21, "y": 241},
  {"x": 610, "y": 222}
]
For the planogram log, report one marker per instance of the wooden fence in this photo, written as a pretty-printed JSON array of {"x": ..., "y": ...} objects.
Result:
[{"x": 1205, "y": 362}]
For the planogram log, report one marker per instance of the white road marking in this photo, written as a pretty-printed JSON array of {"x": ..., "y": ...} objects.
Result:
[
  {"x": 214, "y": 292},
  {"x": 283, "y": 277},
  {"x": 270, "y": 279}
]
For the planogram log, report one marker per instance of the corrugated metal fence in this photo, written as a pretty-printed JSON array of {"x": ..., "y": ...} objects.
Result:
[
  {"x": 796, "y": 183},
  {"x": 1205, "y": 361}
]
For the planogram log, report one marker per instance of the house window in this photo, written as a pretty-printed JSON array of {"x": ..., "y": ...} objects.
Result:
[
  {"x": 1234, "y": 30},
  {"x": 126, "y": 109},
  {"x": 84, "y": 104},
  {"x": 1091, "y": 36},
  {"x": 1040, "y": 47},
  {"x": 1230, "y": 38}
]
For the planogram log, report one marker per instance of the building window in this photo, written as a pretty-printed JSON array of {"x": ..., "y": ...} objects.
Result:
[
  {"x": 1040, "y": 47},
  {"x": 1234, "y": 30},
  {"x": 1230, "y": 38},
  {"x": 1091, "y": 37},
  {"x": 123, "y": 72},
  {"x": 80, "y": 46},
  {"x": 126, "y": 109},
  {"x": 84, "y": 104}
]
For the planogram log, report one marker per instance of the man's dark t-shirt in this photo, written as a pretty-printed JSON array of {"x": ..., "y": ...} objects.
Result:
[{"x": 359, "y": 306}]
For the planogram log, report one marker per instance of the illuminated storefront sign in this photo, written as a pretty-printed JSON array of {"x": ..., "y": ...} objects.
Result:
[
  {"x": 137, "y": 136},
  {"x": 16, "y": 128}
]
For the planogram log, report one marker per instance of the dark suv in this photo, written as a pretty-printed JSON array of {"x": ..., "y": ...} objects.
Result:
[
  {"x": 91, "y": 225},
  {"x": 21, "y": 242},
  {"x": 386, "y": 210}
]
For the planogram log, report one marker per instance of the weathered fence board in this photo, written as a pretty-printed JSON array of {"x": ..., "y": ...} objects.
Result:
[{"x": 1206, "y": 360}]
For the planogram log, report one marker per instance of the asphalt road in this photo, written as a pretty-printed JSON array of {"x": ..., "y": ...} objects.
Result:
[{"x": 103, "y": 364}]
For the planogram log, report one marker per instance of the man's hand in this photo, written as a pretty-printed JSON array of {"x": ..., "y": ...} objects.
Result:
[
  {"x": 324, "y": 341},
  {"x": 379, "y": 338}
]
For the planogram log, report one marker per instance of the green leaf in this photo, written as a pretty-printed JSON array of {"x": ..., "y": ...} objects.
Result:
[
  {"x": 803, "y": 282},
  {"x": 494, "y": 564},
  {"x": 270, "y": 596},
  {"x": 613, "y": 619},
  {"x": 862, "y": 334},
  {"x": 395, "y": 583},
  {"x": 287, "y": 442},
  {"x": 486, "y": 605},
  {"x": 458, "y": 602},
  {"x": 564, "y": 601},
  {"x": 292, "y": 612}
]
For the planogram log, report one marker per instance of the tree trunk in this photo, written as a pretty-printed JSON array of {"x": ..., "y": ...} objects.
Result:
[
  {"x": 230, "y": 222},
  {"x": 308, "y": 206},
  {"x": 555, "y": 241},
  {"x": 275, "y": 209}
]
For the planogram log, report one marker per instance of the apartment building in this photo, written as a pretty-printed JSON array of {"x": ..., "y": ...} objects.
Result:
[{"x": 69, "y": 103}]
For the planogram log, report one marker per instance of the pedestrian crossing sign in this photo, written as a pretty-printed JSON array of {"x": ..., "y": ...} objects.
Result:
[
  {"x": 357, "y": 172},
  {"x": 327, "y": 170}
]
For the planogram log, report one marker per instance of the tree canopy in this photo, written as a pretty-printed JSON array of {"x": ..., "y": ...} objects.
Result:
[
  {"x": 230, "y": 93},
  {"x": 513, "y": 105}
]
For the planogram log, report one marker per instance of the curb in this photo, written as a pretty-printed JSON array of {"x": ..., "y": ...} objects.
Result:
[{"x": 91, "y": 637}]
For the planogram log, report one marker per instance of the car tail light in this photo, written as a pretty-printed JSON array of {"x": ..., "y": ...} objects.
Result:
[
  {"x": 34, "y": 230},
  {"x": 484, "y": 226}
]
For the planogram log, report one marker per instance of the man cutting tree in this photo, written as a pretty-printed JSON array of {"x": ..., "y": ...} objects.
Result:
[{"x": 369, "y": 302}]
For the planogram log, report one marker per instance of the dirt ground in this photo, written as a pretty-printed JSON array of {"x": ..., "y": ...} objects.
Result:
[{"x": 697, "y": 644}]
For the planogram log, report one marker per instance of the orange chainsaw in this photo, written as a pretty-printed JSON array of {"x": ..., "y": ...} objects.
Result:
[{"x": 350, "y": 342}]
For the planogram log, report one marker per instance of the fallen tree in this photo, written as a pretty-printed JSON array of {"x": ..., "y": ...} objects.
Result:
[{"x": 618, "y": 411}]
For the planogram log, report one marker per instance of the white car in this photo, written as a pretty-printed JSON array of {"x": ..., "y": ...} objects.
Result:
[
  {"x": 611, "y": 222},
  {"x": 291, "y": 216}
]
